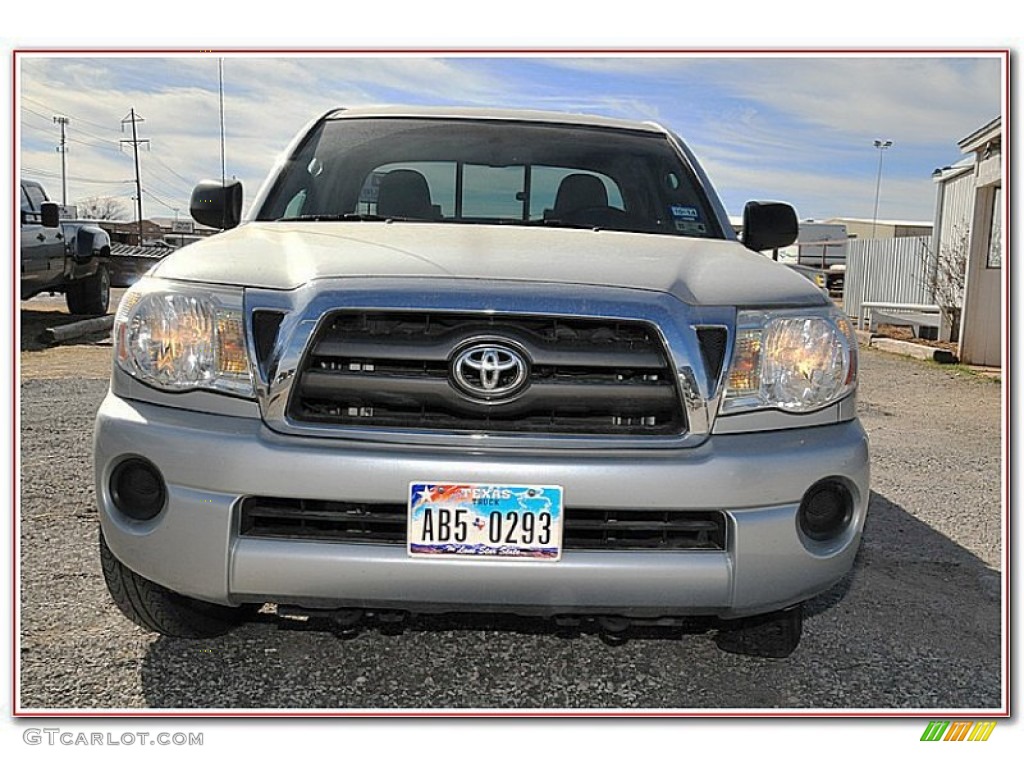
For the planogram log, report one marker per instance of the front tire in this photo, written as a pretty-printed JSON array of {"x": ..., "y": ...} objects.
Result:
[
  {"x": 158, "y": 609},
  {"x": 90, "y": 296}
]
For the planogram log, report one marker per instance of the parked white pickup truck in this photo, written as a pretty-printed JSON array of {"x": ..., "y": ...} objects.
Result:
[{"x": 68, "y": 257}]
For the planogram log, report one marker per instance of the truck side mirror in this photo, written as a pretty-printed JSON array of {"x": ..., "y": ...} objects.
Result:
[
  {"x": 769, "y": 225},
  {"x": 50, "y": 214},
  {"x": 217, "y": 205}
]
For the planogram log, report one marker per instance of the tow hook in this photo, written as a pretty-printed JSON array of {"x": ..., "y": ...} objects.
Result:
[{"x": 613, "y": 629}]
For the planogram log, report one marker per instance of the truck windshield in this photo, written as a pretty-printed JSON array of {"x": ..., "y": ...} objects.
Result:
[{"x": 490, "y": 172}]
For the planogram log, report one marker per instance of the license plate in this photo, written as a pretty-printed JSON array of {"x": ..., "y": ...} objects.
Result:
[{"x": 495, "y": 522}]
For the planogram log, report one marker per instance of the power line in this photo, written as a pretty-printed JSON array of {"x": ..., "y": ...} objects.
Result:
[
  {"x": 162, "y": 202},
  {"x": 94, "y": 136},
  {"x": 95, "y": 146},
  {"x": 37, "y": 114},
  {"x": 76, "y": 179},
  {"x": 161, "y": 162},
  {"x": 31, "y": 127},
  {"x": 170, "y": 186},
  {"x": 108, "y": 192},
  {"x": 80, "y": 129},
  {"x": 151, "y": 191},
  {"x": 190, "y": 183},
  {"x": 76, "y": 117},
  {"x": 173, "y": 187},
  {"x": 178, "y": 181},
  {"x": 77, "y": 141}
]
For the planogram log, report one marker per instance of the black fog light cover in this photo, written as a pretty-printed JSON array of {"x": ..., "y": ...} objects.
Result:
[
  {"x": 826, "y": 510},
  {"x": 138, "y": 489}
]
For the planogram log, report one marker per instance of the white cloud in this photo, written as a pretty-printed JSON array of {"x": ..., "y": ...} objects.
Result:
[
  {"x": 905, "y": 98},
  {"x": 926, "y": 98},
  {"x": 820, "y": 194},
  {"x": 796, "y": 127},
  {"x": 642, "y": 65}
]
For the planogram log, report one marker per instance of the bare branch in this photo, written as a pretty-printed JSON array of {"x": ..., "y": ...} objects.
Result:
[
  {"x": 102, "y": 209},
  {"x": 945, "y": 275}
]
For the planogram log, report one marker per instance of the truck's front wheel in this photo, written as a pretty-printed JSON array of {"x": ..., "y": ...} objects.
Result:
[
  {"x": 157, "y": 608},
  {"x": 90, "y": 296}
]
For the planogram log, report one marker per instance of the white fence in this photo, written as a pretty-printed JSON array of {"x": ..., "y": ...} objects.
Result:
[{"x": 894, "y": 270}]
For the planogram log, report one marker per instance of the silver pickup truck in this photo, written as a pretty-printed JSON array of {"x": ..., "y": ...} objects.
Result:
[
  {"x": 484, "y": 361},
  {"x": 69, "y": 257}
]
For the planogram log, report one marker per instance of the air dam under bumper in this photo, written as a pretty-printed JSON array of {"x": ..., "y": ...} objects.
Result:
[{"x": 209, "y": 462}]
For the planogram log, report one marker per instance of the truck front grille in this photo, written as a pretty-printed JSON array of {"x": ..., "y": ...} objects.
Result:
[
  {"x": 585, "y": 529},
  {"x": 397, "y": 370}
]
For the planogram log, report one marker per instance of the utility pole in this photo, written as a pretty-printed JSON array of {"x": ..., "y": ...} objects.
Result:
[
  {"x": 135, "y": 141},
  {"x": 63, "y": 149}
]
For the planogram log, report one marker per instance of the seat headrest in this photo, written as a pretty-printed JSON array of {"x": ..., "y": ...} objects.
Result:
[
  {"x": 580, "y": 190},
  {"x": 405, "y": 194}
]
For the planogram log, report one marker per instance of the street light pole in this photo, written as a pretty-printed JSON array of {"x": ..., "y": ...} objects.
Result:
[{"x": 881, "y": 145}]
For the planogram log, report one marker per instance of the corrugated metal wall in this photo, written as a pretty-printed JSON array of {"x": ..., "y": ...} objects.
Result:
[
  {"x": 886, "y": 270},
  {"x": 956, "y": 212}
]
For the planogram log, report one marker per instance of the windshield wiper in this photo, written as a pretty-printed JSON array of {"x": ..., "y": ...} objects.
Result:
[
  {"x": 556, "y": 223},
  {"x": 345, "y": 217}
]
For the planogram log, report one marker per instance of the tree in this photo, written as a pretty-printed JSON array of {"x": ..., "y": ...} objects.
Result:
[
  {"x": 946, "y": 276},
  {"x": 102, "y": 209}
]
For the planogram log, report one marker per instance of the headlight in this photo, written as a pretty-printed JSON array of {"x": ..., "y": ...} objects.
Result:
[
  {"x": 180, "y": 337},
  {"x": 795, "y": 361}
]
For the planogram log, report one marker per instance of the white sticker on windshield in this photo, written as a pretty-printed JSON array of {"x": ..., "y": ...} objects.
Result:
[
  {"x": 685, "y": 212},
  {"x": 691, "y": 227}
]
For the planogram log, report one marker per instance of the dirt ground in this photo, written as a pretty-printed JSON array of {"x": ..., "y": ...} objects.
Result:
[{"x": 87, "y": 357}]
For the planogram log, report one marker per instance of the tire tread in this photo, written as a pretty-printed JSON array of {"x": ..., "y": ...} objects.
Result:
[
  {"x": 85, "y": 297},
  {"x": 157, "y": 608}
]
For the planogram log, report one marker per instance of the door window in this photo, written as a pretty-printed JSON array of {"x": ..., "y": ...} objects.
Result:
[{"x": 995, "y": 231}]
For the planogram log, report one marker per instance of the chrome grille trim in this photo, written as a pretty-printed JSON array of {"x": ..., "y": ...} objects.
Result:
[
  {"x": 310, "y": 305},
  {"x": 571, "y": 375}
]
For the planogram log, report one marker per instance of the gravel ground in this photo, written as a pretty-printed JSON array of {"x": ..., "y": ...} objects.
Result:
[{"x": 917, "y": 624}]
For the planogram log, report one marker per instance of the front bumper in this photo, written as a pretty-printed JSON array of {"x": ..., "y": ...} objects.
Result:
[{"x": 209, "y": 462}]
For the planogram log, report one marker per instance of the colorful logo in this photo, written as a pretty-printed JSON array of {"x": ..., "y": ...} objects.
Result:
[{"x": 958, "y": 730}]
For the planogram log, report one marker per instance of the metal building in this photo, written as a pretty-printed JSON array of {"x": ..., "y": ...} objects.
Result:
[
  {"x": 969, "y": 221},
  {"x": 882, "y": 229}
]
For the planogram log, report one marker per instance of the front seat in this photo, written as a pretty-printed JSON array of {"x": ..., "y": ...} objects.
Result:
[
  {"x": 405, "y": 194},
  {"x": 577, "y": 192}
]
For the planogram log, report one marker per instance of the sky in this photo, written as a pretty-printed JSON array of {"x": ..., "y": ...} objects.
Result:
[{"x": 798, "y": 128}]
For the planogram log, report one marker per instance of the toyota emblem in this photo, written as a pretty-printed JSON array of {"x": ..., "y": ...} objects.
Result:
[{"x": 490, "y": 371}]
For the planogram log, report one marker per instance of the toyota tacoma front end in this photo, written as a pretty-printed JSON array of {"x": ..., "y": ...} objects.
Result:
[{"x": 465, "y": 360}]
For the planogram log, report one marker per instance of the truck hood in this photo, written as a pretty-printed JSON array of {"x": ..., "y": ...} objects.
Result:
[{"x": 285, "y": 255}]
